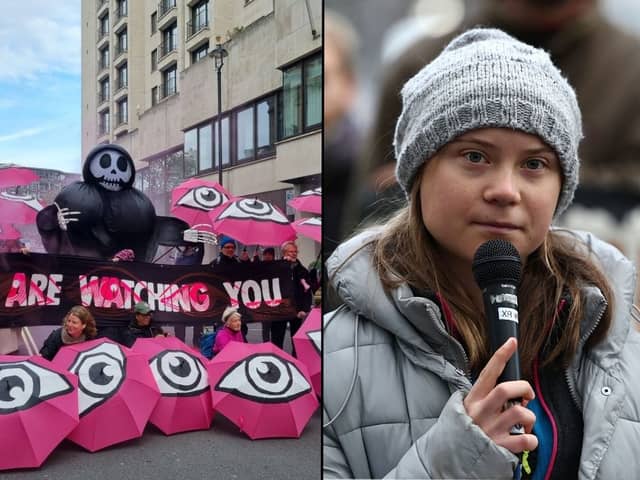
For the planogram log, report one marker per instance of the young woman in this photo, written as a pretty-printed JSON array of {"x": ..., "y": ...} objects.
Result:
[
  {"x": 486, "y": 148},
  {"x": 78, "y": 325}
]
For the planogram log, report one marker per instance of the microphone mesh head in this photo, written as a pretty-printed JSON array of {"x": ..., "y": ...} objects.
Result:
[{"x": 497, "y": 261}]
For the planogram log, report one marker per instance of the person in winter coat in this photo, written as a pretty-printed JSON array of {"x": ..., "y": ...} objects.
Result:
[
  {"x": 78, "y": 325},
  {"x": 303, "y": 297},
  {"x": 230, "y": 332},
  {"x": 486, "y": 148}
]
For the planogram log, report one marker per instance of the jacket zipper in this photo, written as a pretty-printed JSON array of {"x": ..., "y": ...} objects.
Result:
[
  {"x": 443, "y": 331},
  {"x": 581, "y": 342}
]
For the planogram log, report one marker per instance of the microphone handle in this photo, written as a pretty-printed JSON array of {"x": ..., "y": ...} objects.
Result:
[{"x": 501, "y": 310}]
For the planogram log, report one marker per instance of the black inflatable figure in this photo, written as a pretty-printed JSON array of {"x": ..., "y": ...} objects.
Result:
[{"x": 105, "y": 214}]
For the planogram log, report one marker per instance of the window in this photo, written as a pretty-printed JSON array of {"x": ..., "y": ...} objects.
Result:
[
  {"x": 103, "y": 28},
  {"x": 103, "y": 123},
  {"x": 154, "y": 59},
  {"x": 244, "y": 138},
  {"x": 121, "y": 38},
  {"x": 104, "y": 58},
  {"x": 266, "y": 126},
  {"x": 103, "y": 93},
  {"x": 225, "y": 142},
  {"x": 165, "y": 6},
  {"x": 191, "y": 149},
  {"x": 121, "y": 8},
  {"x": 169, "y": 38},
  {"x": 123, "y": 111},
  {"x": 313, "y": 92},
  {"x": 122, "y": 77},
  {"x": 199, "y": 18},
  {"x": 169, "y": 81},
  {"x": 154, "y": 22},
  {"x": 301, "y": 99},
  {"x": 200, "y": 53},
  {"x": 154, "y": 96},
  {"x": 205, "y": 144}
]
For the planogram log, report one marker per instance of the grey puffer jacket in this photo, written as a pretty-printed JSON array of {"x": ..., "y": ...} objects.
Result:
[{"x": 394, "y": 382}]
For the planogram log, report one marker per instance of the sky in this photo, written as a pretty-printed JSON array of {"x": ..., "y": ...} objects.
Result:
[{"x": 40, "y": 100}]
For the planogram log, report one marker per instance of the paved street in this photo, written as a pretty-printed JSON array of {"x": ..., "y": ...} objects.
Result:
[{"x": 222, "y": 452}]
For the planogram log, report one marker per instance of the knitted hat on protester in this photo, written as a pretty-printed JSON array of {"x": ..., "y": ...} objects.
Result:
[
  {"x": 228, "y": 312},
  {"x": 485, "y": 78},
  {"x": 224, "y": 240}
]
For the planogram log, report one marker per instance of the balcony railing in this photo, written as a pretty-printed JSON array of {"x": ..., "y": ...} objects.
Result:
[
  {"x": 166, "y": 48},
  {"x": 165, "y": 6},
  {"x": 197, "y": 24},
  {"x": 121, "y": 118},
  {"x": 167, "y": 89},
  {"x": 103, "y": 97},
  {"x": 120, "y": 49}
]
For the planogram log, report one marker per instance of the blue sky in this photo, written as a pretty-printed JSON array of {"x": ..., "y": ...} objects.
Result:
[{"x": 40, "y": 102}]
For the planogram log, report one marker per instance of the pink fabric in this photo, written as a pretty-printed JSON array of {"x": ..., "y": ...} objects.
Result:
[
  {"x": 125, "y": 255},
  {"x": 225, "y": 336}
]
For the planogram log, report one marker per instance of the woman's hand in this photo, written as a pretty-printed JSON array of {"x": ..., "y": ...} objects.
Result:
[{"x": 486, "y": 400}]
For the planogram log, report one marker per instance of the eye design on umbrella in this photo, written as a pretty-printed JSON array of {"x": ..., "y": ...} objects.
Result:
[
  {"x": 315, "y": 337},
  {"x": 265, "y": 378},
  {"x": 255, "y": 210},
  {"x": 100, "y": 371},
  {"x": 24, "y": 385},
  {"x": 179, "y": 374},
  {"x": 29, "y": 200},
  {"x": 202, "y": 198}
]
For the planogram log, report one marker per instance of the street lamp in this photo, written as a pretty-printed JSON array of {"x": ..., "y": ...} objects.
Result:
[{"x": 218, "y": 55}]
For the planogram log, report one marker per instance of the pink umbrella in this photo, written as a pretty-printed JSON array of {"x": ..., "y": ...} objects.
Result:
[
  {"x": 15, "y": 176},
  {"x": 18, "y": 208},
  {"x": 261, "y": 389},
  {"x": 192, "y": 200},
  {"x": 9, "y": 232},
  {"x": 181, "y": 375},
  {"x": 309, "y": 227},
  {"x": 38, "y": 409},
  {"x": 252, "y": 222},
  {"x": 309, "y": 201},
  {"x": 307, "y": 341},
  {"x": 117, "y": 392}
]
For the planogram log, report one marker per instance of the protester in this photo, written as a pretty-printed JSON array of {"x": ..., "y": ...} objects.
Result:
[
  {"x": 226, "y": 261},
  {"x": 486, "y": 147},
  {"x": 342, "y": 136},
  {"x": 244, "y": 256},
  {"x": 227, "y": 252},
  {"x": 268, "y": 255},
  {"x": 230, "y": 332},
  {"x": 10, "y": 337},
  {"x": 141, "y": 326},
  {"x": 78, "y": 325},
  {"x": 302, "y": 297}
]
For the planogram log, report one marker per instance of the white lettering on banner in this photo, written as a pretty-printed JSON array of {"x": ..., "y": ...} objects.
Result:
[
  {"x": 31, "y": 291},
  {"x": 107, "y": 292},
  {"x": 253, "y": 294},
  {"x": 510, "y": 314}
]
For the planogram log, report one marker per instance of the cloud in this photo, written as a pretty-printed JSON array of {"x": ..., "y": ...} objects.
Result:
[
  {"x": 27, "y": 132},
  {"x": 42, "y": 42}
]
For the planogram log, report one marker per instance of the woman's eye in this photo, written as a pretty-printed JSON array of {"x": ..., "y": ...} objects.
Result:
[
  {"x": 474, "y": 157},
  {"x": 534, "y": 164}
]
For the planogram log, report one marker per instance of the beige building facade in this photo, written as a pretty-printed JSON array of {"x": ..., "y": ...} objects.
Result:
[{"x": 149, "y": 84}]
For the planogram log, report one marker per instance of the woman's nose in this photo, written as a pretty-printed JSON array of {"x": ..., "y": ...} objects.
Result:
[{"x": 502, "y": 188}]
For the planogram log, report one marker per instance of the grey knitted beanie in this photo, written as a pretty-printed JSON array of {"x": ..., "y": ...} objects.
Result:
[{"x": 486, "y": 78}]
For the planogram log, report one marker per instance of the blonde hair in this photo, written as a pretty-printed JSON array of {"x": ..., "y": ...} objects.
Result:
[
  {"x": 554, "y": 271},
  {"x": 85, "y": 317}
]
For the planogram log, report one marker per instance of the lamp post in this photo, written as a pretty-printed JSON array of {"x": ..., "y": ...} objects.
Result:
[{"x": 218, "y": 55}]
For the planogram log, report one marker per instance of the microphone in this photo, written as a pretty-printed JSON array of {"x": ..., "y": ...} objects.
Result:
[{"x": 497, "y": 269}]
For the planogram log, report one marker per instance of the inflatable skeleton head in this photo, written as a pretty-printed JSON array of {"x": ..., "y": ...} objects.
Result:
[{"x": 109, "y": 166}]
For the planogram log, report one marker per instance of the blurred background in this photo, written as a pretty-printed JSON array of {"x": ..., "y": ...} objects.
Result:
[{"x": 372, "y": 47}]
